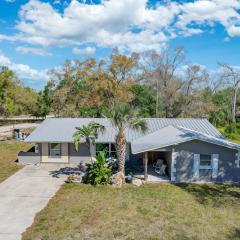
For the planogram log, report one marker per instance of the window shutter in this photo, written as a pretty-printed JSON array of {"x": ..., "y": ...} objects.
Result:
[
  {"x": 36, "y": 148},
  {"x": 238, "y": 159},
  {"x": 215, "y": 158},
  {"x": 196, "y": 164},
  {"x": 173, "y": 166}
]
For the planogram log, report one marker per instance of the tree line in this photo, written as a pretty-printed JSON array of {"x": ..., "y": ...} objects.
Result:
[
  {"x": 15, "y": 99},
  {"x": 162, "y": 84}
]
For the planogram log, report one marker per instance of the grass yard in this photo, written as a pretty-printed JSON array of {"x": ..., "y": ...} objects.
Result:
[
  {"x": 150, "y": 212},
  {"x": 8, "y": 155}
]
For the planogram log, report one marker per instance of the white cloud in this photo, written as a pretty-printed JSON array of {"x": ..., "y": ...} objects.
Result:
[
  {"x": 190, "y": 31},
  {"x": 83, "y": 23},
  {"x": 145, "y": 40},
  {"x": 7, "y": 38},
  {"x": 88, "y": 51},
  {"x": 34, "y": 51},
  {"x": 28, "y": 75},
  {"x": 10, "y": 1},
  {"x": 57, "y": 2},
  {"x": 211, "y": 12},
  {"x": 234, "y": 31},
  {"x": 226, "y": 39},
  {"x": 128, "y": 24},
  {"x": 4, "y": 61}
]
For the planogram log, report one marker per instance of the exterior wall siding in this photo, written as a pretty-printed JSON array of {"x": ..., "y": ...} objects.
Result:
[
  {"x": 28, "y": 158},
  {"x": 70, "y": 155},
  {"x": 136, "y": 159},
  {"x": 45, "y": 158},
  {"x": 83, "y": 155},
  {"x": 80, "y": 156},
  {"x": 227, "y": 166},
  {"x": 227, "y": 169}
]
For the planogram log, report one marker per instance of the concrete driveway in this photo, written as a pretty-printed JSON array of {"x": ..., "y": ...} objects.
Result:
[{"x": 23, "y": 195}]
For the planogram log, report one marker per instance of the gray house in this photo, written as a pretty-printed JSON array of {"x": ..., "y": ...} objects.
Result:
[{"x": 192, "y": 149}]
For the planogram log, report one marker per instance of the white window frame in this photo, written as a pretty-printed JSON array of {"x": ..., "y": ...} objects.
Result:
[
  {"x": 205, "y": 167},
  {"x": 111, "y": 150},
  {"x": 50, "y": 151}
]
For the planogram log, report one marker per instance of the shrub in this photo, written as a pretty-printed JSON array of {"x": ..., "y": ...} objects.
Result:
[
  {"x": 232, "y": 129},
  {"x": 98, "y": 172}
]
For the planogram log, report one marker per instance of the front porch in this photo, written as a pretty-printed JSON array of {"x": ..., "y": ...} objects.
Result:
[
  {"x": 152, "y": 176},
  {"x": 153, "y": 166}
]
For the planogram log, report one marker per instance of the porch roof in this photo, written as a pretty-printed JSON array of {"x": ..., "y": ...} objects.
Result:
[{"x": 173, "y": 135}]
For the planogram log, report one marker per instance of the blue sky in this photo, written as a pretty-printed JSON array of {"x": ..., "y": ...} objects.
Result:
[{"x": 36, "y": 36}]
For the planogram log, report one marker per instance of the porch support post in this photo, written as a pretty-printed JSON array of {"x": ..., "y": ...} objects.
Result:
[
  {"x": 145, "y": 161},
  {"x": 173, "y": 165}
]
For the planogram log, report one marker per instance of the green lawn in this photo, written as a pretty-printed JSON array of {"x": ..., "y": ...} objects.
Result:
[
  {"x": 8, "y": 155},
  {"x": 150, "y": 212}
]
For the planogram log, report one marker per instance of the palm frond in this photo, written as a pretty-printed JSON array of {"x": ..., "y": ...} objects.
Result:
[
  {"x": 88, "y": 133},
  {"x": 139, "y": 125},
  {"x": 124, "y": 116}
]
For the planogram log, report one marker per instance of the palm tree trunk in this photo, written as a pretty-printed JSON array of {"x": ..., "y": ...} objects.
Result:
[
  {"x": 157, "y": 99},
  {"x": 121, "y": 151},
  {"x": 90, "y": 152}
]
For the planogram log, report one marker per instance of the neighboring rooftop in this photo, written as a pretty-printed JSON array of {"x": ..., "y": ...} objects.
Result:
[{"x": 62, "y": 129}]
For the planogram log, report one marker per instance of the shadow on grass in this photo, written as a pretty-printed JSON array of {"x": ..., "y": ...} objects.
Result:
[
  {"x": 235, "y": 235},
  {"x": 215, "y": 195}
]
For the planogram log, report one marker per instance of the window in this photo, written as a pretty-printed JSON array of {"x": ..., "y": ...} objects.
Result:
[
  {"x": 108, "y": 148},
  {"x": 102, "y": 147},
  {"x": 54, "y": 149},
  {"x": 205, "y": 161},
  {"x": 113, "y": 152}
]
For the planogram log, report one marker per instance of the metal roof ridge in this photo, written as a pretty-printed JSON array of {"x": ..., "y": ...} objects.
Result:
[{"x": 209, "y": 136}]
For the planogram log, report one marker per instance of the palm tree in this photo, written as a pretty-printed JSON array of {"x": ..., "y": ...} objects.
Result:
[
  {"x": 124, "y": 116},
  {"x": 87, "y": 134}
]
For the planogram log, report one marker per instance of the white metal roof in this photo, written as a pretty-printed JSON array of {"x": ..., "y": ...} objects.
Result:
[
  {"x": 62, "y": 129},
  {"x": 171, "y": 135}
]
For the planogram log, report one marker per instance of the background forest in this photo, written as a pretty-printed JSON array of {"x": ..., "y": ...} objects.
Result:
[{"x": 160, "y": 85}]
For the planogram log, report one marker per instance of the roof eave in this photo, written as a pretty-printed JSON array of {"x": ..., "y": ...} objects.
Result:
[{"x": 237, "y": 147}]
